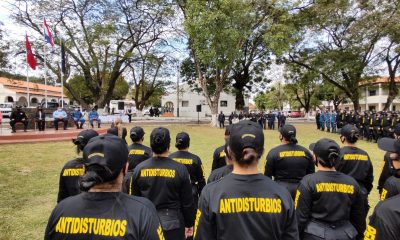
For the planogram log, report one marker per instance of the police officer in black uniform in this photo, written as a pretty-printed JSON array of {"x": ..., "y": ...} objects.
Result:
[
  {"x": 167, "y": 184},
  {"x": 219, "y": 154},
  {"x": 377, "y": 126},
  {"x": 386, "y": 169},
  {"x": 137, "y": 151},
  {"x": 328, "y": 203},
  {"x": 384, "y": 224},
  {"x": 356, "y": 163},
  {"x": 102, "y": 211},
  {"x": 222, "y": 171},
  {"x": 392, "y": 184},
  {"x": 18, "y": 116},
  {"x": 289, "y": 162},
  {"x": 74, "y": 169},
  {"x": 245, "y": 204},
  {"x": 192, "y": 162}
]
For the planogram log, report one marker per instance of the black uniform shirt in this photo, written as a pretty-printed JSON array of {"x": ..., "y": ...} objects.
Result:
[
  {"x": 329, "y": 197},
  {"x": 104, "y": 215},
  {"x": 166, "y": 183},
  {"x": 289, "y": 162},
  {"x": 245, "y": 207},
  {"x": 18, "y": 116},
  {"x": 218, "y": 158},
  {"x": 137, "y": 154},
  {"x": 391, "y": 188},
  {"x": 355, "y": 162},
  {"x": 385, "y": 173},
  {"x": 219, "y": 173},
  {"x": 69, "y": 179},
  {"x": 194, "y": 166},
  {"x": 384, "y": 223}
]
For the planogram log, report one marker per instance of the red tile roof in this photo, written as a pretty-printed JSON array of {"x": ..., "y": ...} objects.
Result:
[{"x": 34, "y": 88}]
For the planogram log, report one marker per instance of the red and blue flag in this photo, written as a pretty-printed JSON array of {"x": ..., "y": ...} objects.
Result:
[{"x": 47, "y": 34}]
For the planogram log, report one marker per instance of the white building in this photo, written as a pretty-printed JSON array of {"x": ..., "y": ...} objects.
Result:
[
  {"x": 16, "y": 92},
  {"x": 188, "y": 100},
  {"x": 373, "y": 96}
]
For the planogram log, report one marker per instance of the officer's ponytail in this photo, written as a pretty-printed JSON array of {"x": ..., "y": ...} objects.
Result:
[
  {"x": 79, "y": 145},
  {"x": 96, "y": 174},
  {"x": 292, "y": 139},
  {"x": 353, "y": 138},
  {"x": 181, "y": 144},
  {"x": 246, "y": 157},
  {"x": 331, "y": 160}
]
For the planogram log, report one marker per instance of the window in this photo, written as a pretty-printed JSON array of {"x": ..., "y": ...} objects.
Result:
[
  {"x": 185, "y": 103},
  {"x": 372, "y": 92},
  {"x": 223, "y": 103}
]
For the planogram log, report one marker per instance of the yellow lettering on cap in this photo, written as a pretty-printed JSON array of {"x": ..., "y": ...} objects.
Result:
[
  {"x": 248, "y": 135},
  {"x": 96, "y": 154}
]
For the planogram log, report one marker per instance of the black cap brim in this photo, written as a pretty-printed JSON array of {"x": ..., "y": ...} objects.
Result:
[
  {"x": 312, "y": 146},
  {"x": 388, "y": 145}
]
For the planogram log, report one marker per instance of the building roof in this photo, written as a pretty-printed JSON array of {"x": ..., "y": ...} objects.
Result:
[
  {"x": 34, "y": 88},
  {"x": 383, "y": 80}
]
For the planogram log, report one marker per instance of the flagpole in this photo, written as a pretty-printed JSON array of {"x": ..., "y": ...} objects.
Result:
[
  {"x": 45, "y": 74},
  {"x": 62, "y": 78},
  {"x": 27, "y": 78}
]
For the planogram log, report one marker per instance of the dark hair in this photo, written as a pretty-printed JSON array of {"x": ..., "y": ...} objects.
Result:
[
  {"x": 353, "y": 138},
  {"x": 248, "y": 156},
  {"x": 160, "y": 140},
  {"x": 292, "y": 139},
  {"x": 135, "y": 137},
  {"x": 96, "y": 174},
  {"x": 226, "y": 150},
  {"x": 333, "y": 157},
  {"x": 181, "y": 144},
  {"x": 79, "y": 145}
]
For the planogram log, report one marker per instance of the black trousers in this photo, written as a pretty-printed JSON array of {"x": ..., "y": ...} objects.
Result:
[
  {"x": 221, "y": 124},
  {"x": 13, "y": 122},
  {"x": 41, "y": 124},
  {"x": 130, "y": 117},
  {"x": 176, "y": 234},
  {"x": 291, "y": 187},
  {"x": 318, "y": 231},
  {"x": 65, "y": 121}
]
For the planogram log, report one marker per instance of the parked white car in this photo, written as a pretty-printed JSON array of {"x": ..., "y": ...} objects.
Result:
[{"x": 6, "y": 109}]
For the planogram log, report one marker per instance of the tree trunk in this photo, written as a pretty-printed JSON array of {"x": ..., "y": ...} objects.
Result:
[
  {"x": 239, "y": 104},
  {"x": 393, "y": 91},
  {"x": 214, "y": 114},
  {"x": 356, "y": 102}
]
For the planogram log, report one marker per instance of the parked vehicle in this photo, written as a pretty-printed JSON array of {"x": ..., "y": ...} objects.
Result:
[
  {"x": 296, "y": 114},
  {"x": 6, "y": 109}
]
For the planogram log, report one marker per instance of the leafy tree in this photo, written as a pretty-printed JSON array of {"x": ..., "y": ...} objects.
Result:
[
  {"x": 338, "y": 43},
  {"x": 77, "y": 82},
  {"x": 216, "y": 31},
  {"x": 100, "y": 36},
  {"x": 3, "y": 49},
  {"x": 273, "y": 98}
]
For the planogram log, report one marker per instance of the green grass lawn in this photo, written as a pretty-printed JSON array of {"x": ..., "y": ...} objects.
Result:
[{"x": 29, "y": 173}]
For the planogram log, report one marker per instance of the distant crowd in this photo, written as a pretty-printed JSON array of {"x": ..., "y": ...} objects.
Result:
[{"x": 263, "y": 119}]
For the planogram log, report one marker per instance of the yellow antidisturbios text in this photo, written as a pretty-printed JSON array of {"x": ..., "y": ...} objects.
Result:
[
  {"x": 92, "y": 226},
  {"x": 250, "y": 204}
]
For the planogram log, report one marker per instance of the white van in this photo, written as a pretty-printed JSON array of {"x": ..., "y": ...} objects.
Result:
[
  {"x": 6, "y": 109},
  {"x": 122, "y": 105}
]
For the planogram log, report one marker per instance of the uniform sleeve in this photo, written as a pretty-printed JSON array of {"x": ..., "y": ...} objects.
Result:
[
  {"x": 186, "y": 196},
  {"x": 311, "y": 165},
  {"x": 378, "y": 228},
  {"x": 50, "y": 226},
  {"x": 199, "y": 173},
  {"x": 370, "y": 177},
  {"x": 133, "y": 183},
  {"x": 389, "y": 190},
  {"x": 303, "y": 204},
  {"x": 205, "y": 227},
  {"x": 152, "y": 229},
  {"x": 127, "y": 183},
  {"x": 385, "y": 174},
  {"x": 62, "y": 189},
  {"x": 215, "y": 160},
  {"x": 357, "y": 217},
  {"x": 269, "y": 169},
  {"x": 291, "y": 230}
]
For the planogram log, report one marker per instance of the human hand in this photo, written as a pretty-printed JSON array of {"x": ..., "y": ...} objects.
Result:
[{"x": 188, "y": 232}]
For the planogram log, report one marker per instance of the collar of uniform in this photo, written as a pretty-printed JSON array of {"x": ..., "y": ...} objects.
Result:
[
  {"x": 247, "y": 177},
  {"x": 99, "y": 196}
]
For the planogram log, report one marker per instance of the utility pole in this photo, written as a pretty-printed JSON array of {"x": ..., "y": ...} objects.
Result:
[{"x": 177, "y": 92}]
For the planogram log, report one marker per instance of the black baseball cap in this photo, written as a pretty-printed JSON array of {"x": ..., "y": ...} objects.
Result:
[
  {"x": 287, "y": 131},
  {"x": 324, "y": 147},
  {"x": 389, "y": 145},
  {"x": 349, "y": 130},
  {"x": 84, "y": 136},
  {"x": 246, "y": 134},
  {"x": 137, "y": 132},
  {"x": 108, "y": 151},
  {"x": 182, "y": 140}
]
